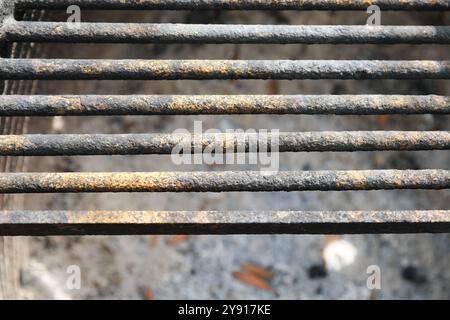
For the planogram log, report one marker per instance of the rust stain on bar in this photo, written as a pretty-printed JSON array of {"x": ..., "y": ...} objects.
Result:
[
  {"x": 86, "y": 105},
  {"x": 110, "y": 144},
  {"x": 223, "y": 181},
  {"x": 68, "y": 69},
  {"x": 221, "y": 222}
]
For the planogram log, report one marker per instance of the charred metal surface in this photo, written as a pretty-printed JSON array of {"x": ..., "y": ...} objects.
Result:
[
  {"x": 223, "y": 181},
  {"x": 211, "y": 222},
  {"x": 61, "y": 69},
  {"x": 46, "y": 223},
  {"x": 86, "y": 105},
  {"x": 238, "y": 4},
  {"x": 6, "y": 10},
  {"x": 109, "y": 144},
  {"x": 25, "y": 31}
]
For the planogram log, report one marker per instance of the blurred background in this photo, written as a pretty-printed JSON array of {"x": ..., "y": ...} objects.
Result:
[{"x": 238, "y": 266}]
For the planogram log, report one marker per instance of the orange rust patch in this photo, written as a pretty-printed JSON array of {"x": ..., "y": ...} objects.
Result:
[
  {"x": 11, "y": 143},
  {"x": 72, "y": 103},
  {"x": 92, "y": 69},
  {"x": 46, "y": 67}
]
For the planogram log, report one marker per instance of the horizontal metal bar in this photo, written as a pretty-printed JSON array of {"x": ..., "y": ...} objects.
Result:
[
  {"x": 223, "y": 181},
  {"x": 109, "y": 144},
  {"x": 44, "y": 223},
  {"x": 66, "y": 69},
  {"x": 27, "y": 31},
  {"x": 87, "y": 105},
  {"x": 237, "y": 5}
]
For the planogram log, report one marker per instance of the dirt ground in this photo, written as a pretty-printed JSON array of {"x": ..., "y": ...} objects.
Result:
[{"x": 201, "y": 267}]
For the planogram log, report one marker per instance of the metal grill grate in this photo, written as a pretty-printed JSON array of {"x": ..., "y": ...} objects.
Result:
[{"x": 131, "y": 222}]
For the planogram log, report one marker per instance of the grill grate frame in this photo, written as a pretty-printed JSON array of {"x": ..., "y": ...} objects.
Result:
[
  {"x": 134, "y": 222},
  {"x": 236, "y": 5},
  {"x": 41, "y": 223}
]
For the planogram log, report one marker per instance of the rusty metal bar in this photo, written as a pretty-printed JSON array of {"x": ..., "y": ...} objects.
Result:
[
  {"x": 89, "y": 105},
  {"x": 67, "y": 69},
  {"x": 44, "y": 223},
  {"x": 110, "y": 144},
  {"x": 223, "y": 181},
  {"x": 26, "y": 31},
  {"x": 237, "y": 5}
]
